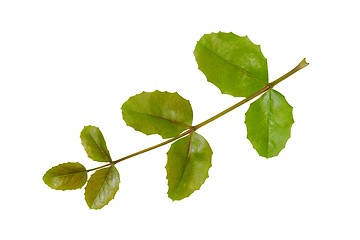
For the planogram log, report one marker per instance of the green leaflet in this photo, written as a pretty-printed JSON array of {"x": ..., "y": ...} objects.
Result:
[
  {"x": 163, "y": 113},
  {"x": 234, "y": 64},
  {"x": 188, "y": 163},
  {"x": 102, "y": 187},
  {"x": 268, "y": 121},
  {"x": 94, "y": 144},
  {"x": 66, "y": 176}
]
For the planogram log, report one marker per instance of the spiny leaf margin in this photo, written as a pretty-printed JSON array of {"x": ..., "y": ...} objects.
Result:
[
  {"x": 232, "y": 63},
  {"x": 66, "y": 176},
  {"x": 94, "y": 144},
  {"x": 268, "y": 121},
  {"x": 102, "y": 187},
  {"x": 163, "y": 113}
]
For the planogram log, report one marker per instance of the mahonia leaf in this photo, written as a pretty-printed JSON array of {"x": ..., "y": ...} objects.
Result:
[
  {"x": 94, "y": 144},
  {"x": 268, "y": 121},
  {"x": 188, "y": 163},
  {"x": 66, "y": 176},
  {"x": 163, "y": 113},
  {"x": 102, "y": 187},
  {"x": 233, "y": 63}
]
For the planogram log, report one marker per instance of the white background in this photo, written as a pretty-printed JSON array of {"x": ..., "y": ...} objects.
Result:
[{"x": 67, "y": 64}]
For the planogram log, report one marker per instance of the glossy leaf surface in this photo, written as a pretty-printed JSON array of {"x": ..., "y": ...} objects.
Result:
[
  {"x": 268, "y": 121},
  {"x": 233, "y": 63},
  {"x": 163, "y": 113},
  {"x": 66, "y": 176},
  {"x": 102, "y": 187},
  {"x": 188, "y": 163},
  {"x": 94, "y": 144}
]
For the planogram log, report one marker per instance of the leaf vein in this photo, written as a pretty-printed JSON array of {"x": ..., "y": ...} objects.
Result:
[
  {"x": 231, "y": 63},
  {"x": 100, "y": 189},
  {"x": 101, "y": 149},
  {"x": 186, "y": 164},
  {"x": 161, "y": 117}
]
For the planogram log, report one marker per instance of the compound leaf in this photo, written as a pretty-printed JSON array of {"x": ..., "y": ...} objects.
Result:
[
  {"x": 102, "y": 187},
  {"x": 163, "y": 113},
  {"x": 233, "y": 63},
  {"x": 188, "y": 163},
  {"x": 94, "y": 144},
  {"x": 66, "y": 176},
  {"x": 268, "y": 121}
]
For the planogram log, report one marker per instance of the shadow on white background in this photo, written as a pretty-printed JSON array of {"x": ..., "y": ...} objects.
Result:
[{"x": 67, "y": 64}]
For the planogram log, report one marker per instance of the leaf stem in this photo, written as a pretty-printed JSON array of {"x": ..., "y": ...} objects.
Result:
[
  {"x": 155, "y": 146},
  {"x": 261, "y": 91},
  {"x": 300, "y": 66},
  {"x": 188, "y": 131}
]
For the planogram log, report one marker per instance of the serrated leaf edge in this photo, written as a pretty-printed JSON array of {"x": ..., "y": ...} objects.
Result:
[
  {"x": 113, "y": 197},
  {"x": 207, "y": 172},
  {"x": 74, "y": 173},
  {"x": 231, "y": 63},
  {"x": 107, "y": 154},
  {"x": 293, "y": 121},
  {"x": 171, "y": 121}
]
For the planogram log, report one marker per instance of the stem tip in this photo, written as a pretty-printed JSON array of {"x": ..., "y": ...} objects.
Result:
[{"x": 303, "y": 63}]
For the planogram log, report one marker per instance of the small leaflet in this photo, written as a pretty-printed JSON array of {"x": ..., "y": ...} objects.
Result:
[
  {"x": 94, "y": 144},
  {"x": 66, "y": 176},
  {"x": 102, "y": 187}
]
